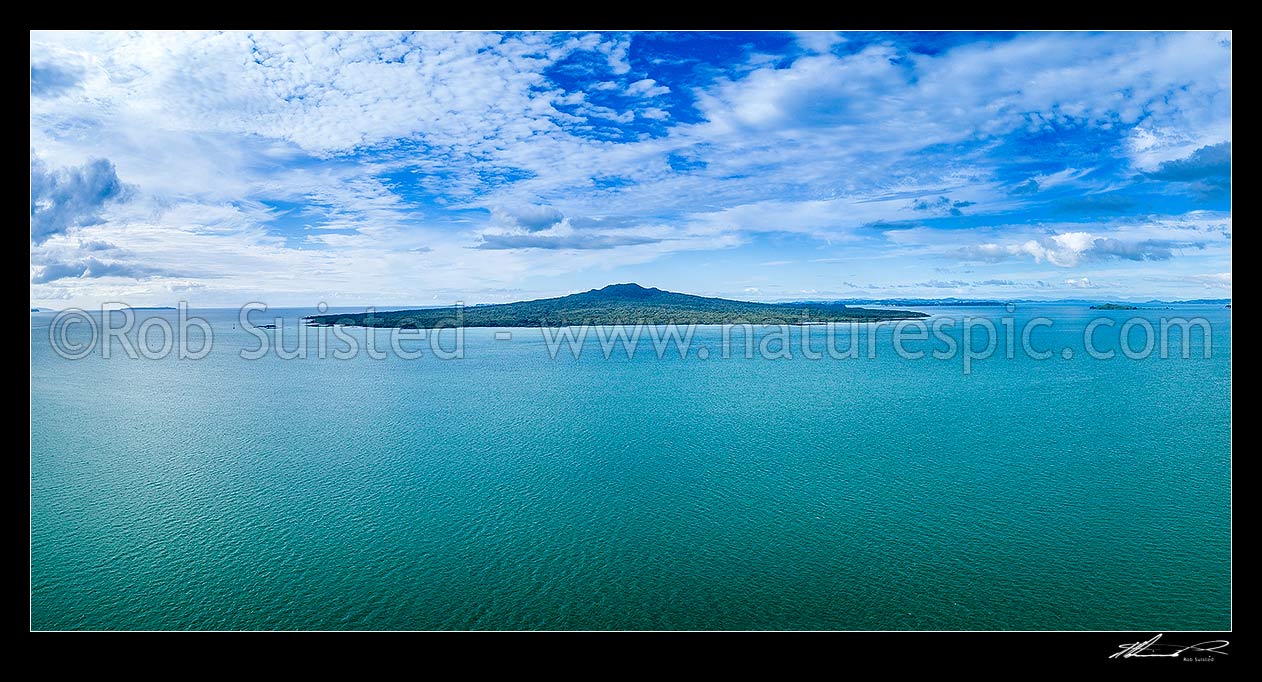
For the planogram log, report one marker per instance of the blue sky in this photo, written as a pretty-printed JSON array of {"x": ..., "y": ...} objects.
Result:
[{"x": 415, "y": 168}]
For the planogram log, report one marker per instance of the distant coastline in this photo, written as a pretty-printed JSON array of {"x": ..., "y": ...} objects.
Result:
[
  {"x": 617, "y": 304},
  {"x": 1115, "y": 306}
]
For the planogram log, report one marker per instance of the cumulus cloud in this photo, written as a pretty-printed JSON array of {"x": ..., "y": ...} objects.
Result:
[
  {"x": 70, "y": 197},
  {"x": 49, "y": 79},
  {"x": 1072, "y": 248},
  {"x": 1148, "y": 249},
  {"x": 646, "y": 88},
  {"x": 1208, "y": 167},
  {"x": 92, "y": 268},
  {"x": 529, "y": 218}
]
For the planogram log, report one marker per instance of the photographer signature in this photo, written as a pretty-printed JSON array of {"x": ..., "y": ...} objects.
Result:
[{"x": 1153, "y": 649}]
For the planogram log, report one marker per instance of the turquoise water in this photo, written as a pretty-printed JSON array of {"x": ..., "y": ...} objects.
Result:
[{"x": 509, "y": 490}]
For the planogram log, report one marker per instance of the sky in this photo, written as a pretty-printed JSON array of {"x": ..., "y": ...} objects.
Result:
[{"x": 392, "y": 169}]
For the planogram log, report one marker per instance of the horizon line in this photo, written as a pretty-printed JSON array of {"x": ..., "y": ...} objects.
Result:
[{"x": 857, "y": 300}]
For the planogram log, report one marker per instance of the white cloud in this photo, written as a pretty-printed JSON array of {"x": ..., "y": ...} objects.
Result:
[
  {"x": 69, "y": 197},
  {"x": 617, "y": 51},
  {"x": 646, "y": 88},
  {"x": 384, "y": 146},
  {"x": 819, "y": 41},
  {"x": 1215, "y": 280}
]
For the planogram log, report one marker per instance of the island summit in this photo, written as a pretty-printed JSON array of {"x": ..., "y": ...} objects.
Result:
[{"x": 616, "y": 304}]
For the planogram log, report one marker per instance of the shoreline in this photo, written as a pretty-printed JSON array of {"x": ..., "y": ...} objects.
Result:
[{"x": 310, "y": 322}]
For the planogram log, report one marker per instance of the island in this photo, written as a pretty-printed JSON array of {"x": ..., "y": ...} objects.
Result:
[
  {"x": 1114, "y": 306},
  {"x": 616, "y": 304}
]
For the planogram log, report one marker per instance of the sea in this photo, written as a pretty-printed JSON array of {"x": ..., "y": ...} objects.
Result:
[{"x": 486, "y": 483}]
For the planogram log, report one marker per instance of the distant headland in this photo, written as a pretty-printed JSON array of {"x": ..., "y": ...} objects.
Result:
[
  {"x": 617, "y": 304},
  {"x": 1115, "y": 306}
]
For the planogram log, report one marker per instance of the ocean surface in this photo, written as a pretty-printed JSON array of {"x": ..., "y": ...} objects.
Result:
[{"x": 511, "y": 490}]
